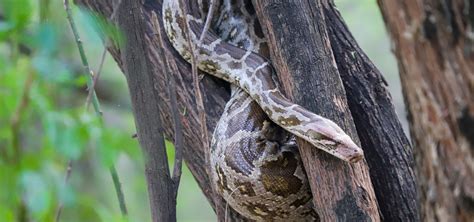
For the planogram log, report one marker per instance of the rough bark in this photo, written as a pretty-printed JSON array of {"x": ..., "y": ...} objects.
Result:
[
  {"x": 144, "y": 95},
  {"x": 215, "y": 92},
  {"x": 387, "y": 150},
  {"x": 433, "y": 42},
  {"x": 309, "y": 76}
]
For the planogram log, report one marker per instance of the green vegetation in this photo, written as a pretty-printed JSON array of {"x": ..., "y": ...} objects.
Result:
[{"x": 44, "y": 124}]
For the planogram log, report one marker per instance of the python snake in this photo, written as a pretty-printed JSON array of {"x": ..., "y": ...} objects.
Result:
[{"x": 257, "y": 167}]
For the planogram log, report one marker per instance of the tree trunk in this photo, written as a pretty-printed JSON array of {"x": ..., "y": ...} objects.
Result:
[
  {"x": 146, "y": 101},
  {"x": 343, "y": 191},
  {"x": 433, "y": 42},
  {"x": 215, "y": 92},
  {"x": 388, "y": 152}
]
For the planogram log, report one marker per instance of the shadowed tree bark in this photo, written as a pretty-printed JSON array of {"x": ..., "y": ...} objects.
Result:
[
  {"x": 337, "y": 80},
  {"x": 434, "y": 45},
  {"x": 309, "y": 76},
  {"x": 146, "y": 102}
]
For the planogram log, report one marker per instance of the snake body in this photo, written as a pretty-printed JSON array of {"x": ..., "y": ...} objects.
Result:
[{"x": 257, "y": 167}]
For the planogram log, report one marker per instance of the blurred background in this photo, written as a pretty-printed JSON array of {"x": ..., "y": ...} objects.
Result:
[{"x": 44, "y": 124}]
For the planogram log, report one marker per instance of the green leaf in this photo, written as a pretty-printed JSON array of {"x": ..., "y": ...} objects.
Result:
[
  {"x": 5, "y": 28},
  {"x": 91, "y": 19},
  {"x": 66, "y": 134},
  {"x": 52, "y": 70},
  {"x": 44, "y": 39},
  {"x": 18, "y": 12},
  {"x": 6, "y": 213},
  {"x": 36, "y": 193}
]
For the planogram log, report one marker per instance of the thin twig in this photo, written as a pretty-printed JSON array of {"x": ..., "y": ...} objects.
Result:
[
  {"x": 113, "y": 16},
  {"x": 66, "y": 179},
  {"x": 15, "y": 119},
  {"x": 85, "y": 63},
  {"x": 207, "y": 24},
  {"x": 104, "y": 53},
  {"x": 96, "y": 77},
  {"x": 197, "y": 90},
  {"x": 95, "y": 100},
  {"x": 227, "y": 204},
  {"x": 15, "y": 123},
  {"x": 118, "y": 190},
  {"x": 200, "y": 105}
]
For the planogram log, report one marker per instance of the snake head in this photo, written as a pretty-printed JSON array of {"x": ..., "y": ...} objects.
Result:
[{"x": 329, "y": 137}]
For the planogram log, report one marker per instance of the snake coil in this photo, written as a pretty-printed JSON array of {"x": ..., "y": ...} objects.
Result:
[{"x": 257, "y": 167}]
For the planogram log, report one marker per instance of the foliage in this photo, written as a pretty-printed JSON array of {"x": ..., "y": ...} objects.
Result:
[{"x": 44, "y": 124}]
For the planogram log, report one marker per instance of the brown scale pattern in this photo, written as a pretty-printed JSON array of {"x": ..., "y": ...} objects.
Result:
[{"x": 257, "y": 167}]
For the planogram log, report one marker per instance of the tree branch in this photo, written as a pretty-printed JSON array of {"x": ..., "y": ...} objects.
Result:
[
  {"x": 433, "y": 43},
  {"x": 95, "y": 101},
  {"x": 144, "y": 94},
  {"x": 341, "y": 191},
  {"x": 387, "y": 149},
  {"x": 381, "y": 133}
]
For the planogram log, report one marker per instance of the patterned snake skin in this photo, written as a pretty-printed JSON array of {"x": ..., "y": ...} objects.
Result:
[{"x": 257, "y": 167}]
